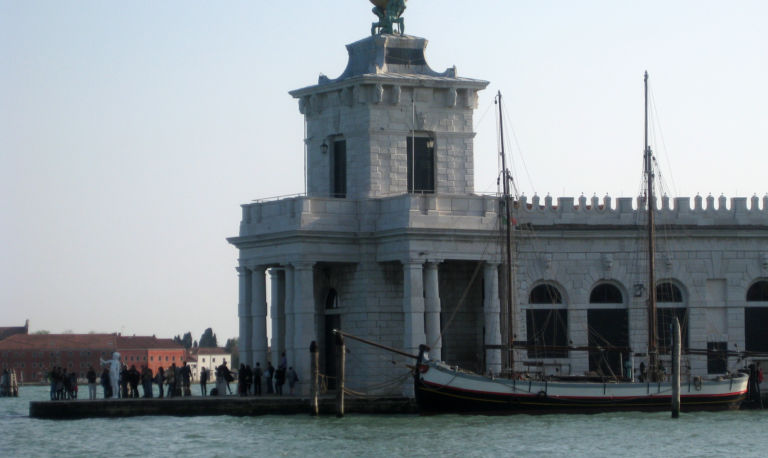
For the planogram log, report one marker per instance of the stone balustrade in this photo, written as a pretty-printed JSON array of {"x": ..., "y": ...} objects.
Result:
[{"x": 478, "y": 212}]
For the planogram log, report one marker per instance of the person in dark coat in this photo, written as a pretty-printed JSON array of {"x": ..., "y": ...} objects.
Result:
[
  {"x": 257, "y": 374},
  {"x": 268, "y": 375},
  {"x": 160, "y": 379},
  {"x": 106, "y": 383},
  {"x": 203, "y": 381},
  {"x": 279, "y": 380}
]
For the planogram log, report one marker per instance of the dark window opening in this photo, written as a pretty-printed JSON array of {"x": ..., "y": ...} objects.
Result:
[
  {"x": 332, "y": 300},
  {"x": 664, "y": 325},
  {"x": 717, "y": 357},
  {"x": 755, "y": 323},
  {"x": 339, "y": 167},
  {"x": 606, "y": 294},
  {"x": 545, "y": 294},
  {"x": 546, "y": 329},
  {"x": 421, "y": 165},
  {"x": 331, "y": 350},
  {"x": 608, "y": 340},
  {"x": 667, "y": 292},
  {"x": 758, "y": 291}
]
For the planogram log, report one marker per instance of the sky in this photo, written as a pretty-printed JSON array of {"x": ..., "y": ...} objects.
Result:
[{"x": 131, "y": 132}]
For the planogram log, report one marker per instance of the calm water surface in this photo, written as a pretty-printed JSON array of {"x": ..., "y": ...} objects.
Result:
[{"x": 621, "y": 434}]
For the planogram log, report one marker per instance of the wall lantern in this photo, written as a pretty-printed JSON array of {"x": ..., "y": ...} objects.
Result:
[
  {"x": 430, "y": 143},
  {"x": 324, "y": 147}
]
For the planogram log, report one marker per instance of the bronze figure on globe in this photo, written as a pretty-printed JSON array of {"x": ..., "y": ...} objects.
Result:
[{"x": 390, "y": 13}]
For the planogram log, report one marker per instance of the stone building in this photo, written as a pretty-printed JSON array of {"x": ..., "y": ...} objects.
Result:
[{"x": 391, "y": 243}]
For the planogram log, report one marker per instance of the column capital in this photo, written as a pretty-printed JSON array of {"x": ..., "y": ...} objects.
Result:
[
  {"x": 303, "y": 265},
  {"x": 242, "y": 270},
  {"x": 257, "y": 267}
]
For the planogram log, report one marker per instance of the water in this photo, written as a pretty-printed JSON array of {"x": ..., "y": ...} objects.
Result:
[{"x": 620, "y": 434}]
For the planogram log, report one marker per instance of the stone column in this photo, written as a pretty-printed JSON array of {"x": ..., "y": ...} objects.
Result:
[
  {"x": 277, "y": 315},
  {"x": 289, "y": 285},
  {"x": 305, "y": 329},
  {"x": 413, "y": 313},
  {"x": 432, "y": 307},
  {"x": 244, "y": 312},
  {"x": 492, "y": 315},
  {"x": 259, "y": 317}
]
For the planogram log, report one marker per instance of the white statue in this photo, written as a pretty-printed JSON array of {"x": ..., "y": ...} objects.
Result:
[{"x": 114, "y": 372}]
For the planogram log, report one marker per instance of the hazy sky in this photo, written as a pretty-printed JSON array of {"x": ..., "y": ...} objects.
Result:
[{"x": 131, "y": 132}]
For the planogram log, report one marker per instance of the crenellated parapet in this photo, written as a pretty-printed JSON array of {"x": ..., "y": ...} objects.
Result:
[{"x": 685, "y": 211}]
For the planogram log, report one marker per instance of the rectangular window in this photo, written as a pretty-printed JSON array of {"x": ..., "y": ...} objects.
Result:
[
  {"x": 755, "y": 323},
  {"x": 546, "y": 329},
  {"x": 421, "y": 165},
  {"x": 717, "y": 357},
  {"x": 339, "y": 169}
]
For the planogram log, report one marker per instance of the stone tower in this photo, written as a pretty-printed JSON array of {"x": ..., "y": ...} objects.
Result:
[
  {"x": 389, "y": 225},
  {"x": 389, "y": 124}
]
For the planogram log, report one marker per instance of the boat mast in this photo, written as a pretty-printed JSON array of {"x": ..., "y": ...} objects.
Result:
[
  {"x": 652, "y": 338},
  {"x": 506, "y": 202}
]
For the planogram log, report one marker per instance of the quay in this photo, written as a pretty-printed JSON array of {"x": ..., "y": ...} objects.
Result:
[{"x": 215, "y": 405}]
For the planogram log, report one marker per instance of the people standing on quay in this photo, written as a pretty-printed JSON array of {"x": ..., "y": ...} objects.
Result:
[
  {"x": 223, "y": 377},
  {"x": 146, "y": 381},
  {"x": 292, "y": 379},
  {"x": 270, "y": 372},
  {"x": 91, "y": 377},
  {"x": 170, "y": 378},
  {"x": 279, "y": 380},
  {"x": 159, "y": 379},
  {"x": 134, "y": 377},
  {"x": 124, "y": 382},
  {"x": 106, "y": 383},
  {"x": 241, "y": 380},
  {"x": 186, "y": 379},
  {"x": 257, "y": 374},
  {"x": 203, "y": 381}
]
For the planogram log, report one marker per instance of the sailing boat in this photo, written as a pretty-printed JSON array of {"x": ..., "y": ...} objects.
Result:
[{"x": 443, "y": 388}]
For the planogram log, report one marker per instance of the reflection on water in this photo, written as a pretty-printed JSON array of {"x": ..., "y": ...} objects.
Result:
[{"x": 621, "y": 434}]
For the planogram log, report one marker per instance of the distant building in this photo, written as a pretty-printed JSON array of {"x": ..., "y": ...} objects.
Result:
[
  {"x": 10, "y": 331},
  {"x": 210, "y": 358},
  {"x": 34, "y": 355}
]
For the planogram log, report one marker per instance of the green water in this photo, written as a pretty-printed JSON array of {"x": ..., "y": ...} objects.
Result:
[{"x": 620, "y": 434}]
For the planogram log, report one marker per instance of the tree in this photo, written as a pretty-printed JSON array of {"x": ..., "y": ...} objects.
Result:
[
  {"x": 208, "y": 339},
  {"x": 232, "y": 348},
  {"x": 42, "y": 332}
]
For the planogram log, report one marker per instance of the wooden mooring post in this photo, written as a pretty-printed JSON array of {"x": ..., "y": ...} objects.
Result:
[
  {"x": 315, "y": 358},
  {"x": 676, "y": 351},
  {"x": 342, "y": 365}
]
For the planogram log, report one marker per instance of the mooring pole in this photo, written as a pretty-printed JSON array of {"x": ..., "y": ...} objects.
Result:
[
  {"x": 676, "y": 350},
  {"x": 315, "y": 377},
  {"x": 342, "y": 364}
]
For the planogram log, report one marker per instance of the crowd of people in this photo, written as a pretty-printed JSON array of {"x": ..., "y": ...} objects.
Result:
[
  {"x": 175, "y": 381},
  {"x": 249, "y": 382}
]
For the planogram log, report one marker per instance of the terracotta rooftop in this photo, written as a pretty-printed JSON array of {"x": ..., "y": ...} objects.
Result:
[
  {"x": 81, "y": 341},
  {"x": 57, "y": 341},
  {"x": 14, "y": 330},
  {"x": 128, "y": 342}
]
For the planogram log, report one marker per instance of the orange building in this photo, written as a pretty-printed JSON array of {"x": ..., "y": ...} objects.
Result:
[{"x": 34, "y": 355}]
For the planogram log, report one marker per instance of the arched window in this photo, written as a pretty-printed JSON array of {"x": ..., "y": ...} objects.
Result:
[
  {"x": 668, "y": 292},
  {"x": 758, "y": 292},
  {"x": 756, "y": 318},
  {"x": 546, "y": 327},
  {"x": 545, "y": 294},
  {"x": 606, "y": 293}
]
